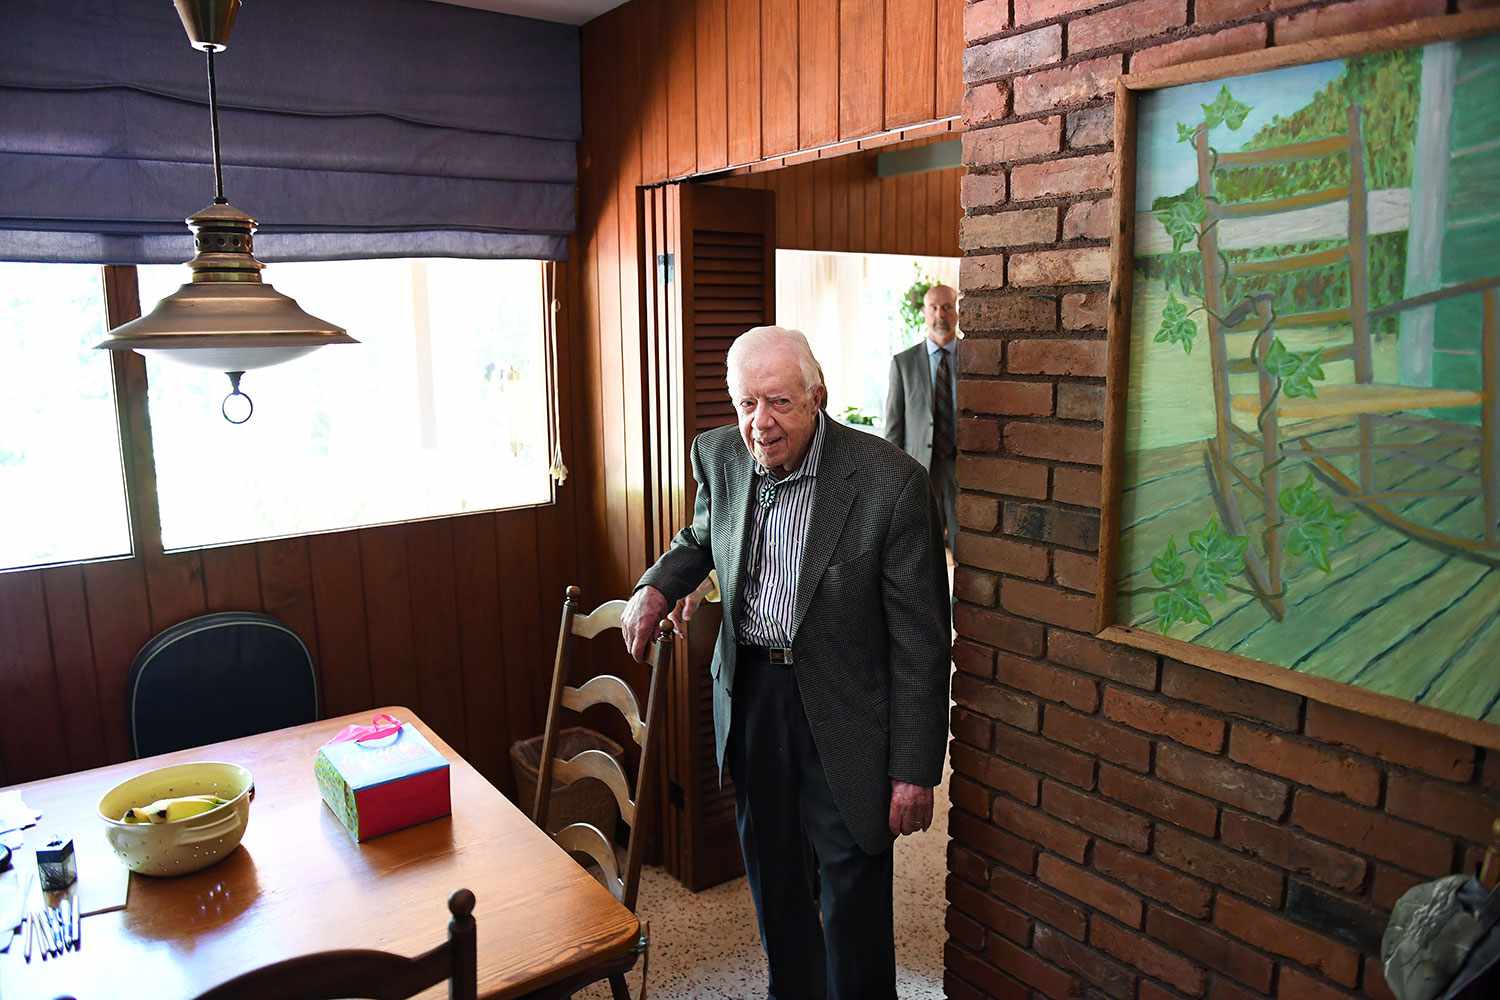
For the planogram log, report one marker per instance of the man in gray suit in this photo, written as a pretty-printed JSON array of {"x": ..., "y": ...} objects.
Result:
[
  {"x": 831, "y": 666},
  {"x": 921, "y": 405}
]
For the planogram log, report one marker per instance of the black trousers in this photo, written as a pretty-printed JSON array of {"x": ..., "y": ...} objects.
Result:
[{"x": 784, "y": 807}]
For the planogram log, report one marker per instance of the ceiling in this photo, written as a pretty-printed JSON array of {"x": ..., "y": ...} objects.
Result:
[{"x": 563, "y": 11}]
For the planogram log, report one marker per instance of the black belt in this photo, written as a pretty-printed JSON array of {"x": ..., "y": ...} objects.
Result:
[{"x": 777, "y": 655}]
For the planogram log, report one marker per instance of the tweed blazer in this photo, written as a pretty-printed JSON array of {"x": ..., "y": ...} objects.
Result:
[
  {"x": 908, "y": 403},
  {"x": 871, "y": 631}
]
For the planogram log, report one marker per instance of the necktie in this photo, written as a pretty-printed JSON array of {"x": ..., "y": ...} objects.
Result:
[{"x": 943, "y": 437}]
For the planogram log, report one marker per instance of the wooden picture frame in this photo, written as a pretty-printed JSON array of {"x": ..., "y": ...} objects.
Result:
[{"x": 1121, "y": 304}]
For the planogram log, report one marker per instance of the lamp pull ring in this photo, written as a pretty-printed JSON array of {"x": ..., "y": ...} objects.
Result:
[{"x": 234, "y": 382}]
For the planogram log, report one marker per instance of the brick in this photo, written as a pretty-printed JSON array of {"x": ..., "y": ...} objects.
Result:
[
  {"x": 1089, "y": 220},
  {"x": 1296, "y": 985},
  {"x": 967, "y": 932},
  {"x": 1490, "y": 776},
  {"x": 978, "y": 191},
  {"x": 1218, "y": 779},
  {"x": 1222, "y": 988},
  {"x": 989, "y": 911},
  {"x": 1059, "y": 178},
  {"x": 971, "y": 657},
  {"x": 1222, "y": 954},
  {"x": 990, "y": 981},
  {"x": 970, "y": 796},
  {"x": 998, "y": 630},
  {"x": 973, "y": 729},
  {"x": 985, "y": 272},
  {"x": 975, "y": 587},
  {"x": 1216, "y": 11},
  {"x": 1151, "y": 879},
  {"x": 1214, "y": 864},
  {"x": 1124, "y": 24},
  {"x": 1075, "y": 529},
  {"x": 1008, "y": 229},
  {"x": 1343, "y": 18},
  {"x": 1050, "y": 682},
  {"x": 1107, "y": 741},
  {"x": 1032, "y": 313},
  {"x": 995, "y": 702},
  {"x": 1160, "y": 800},
  {"x": 985, "y": 18},
  {"x": 1056, "y": 88},
  {"x": 1067, "y": 917},
  {"x": 1090, "y": 127},
  {"x": 1020, "y": 141},
  {"x": 1113, "y": 979},
  {"x": 1057, "y": 357},
  {"x": 1373, "y": 833},
  {"x": 1148, "y": 956},
  {"x": 967, "y": 865},
  {"x": 1231, "y": 695},
  {"x": 1271, "y": 933},
  {"x": 1307, "y": 763},
  {"x": 1245, "y": 38},
  {"x": 1389, "y": 885},
  {"x": 1120, "y": 903},
  {"x": 1164, "y": 718},
  {"x": 1058, "y": 267},
  {"x": 997, "y": 774},
  {"x": 1003, "y": 475},
  {"x": 1075, "y": 571},
  {"x": 1013, "y": 54},
  {"x": 1039, "y": 828},
  {"x": 978, "y": 513},
  {"x": 1356, "y": 925},
  {"x": 1048, "y": 604},
  {"x": 1025, "y": 966},
  {"x": 985, "y": 103},
  {"x": 1080, "y": 401},
  {"x": 1084, "y": 445},
  {"x": 1375, "y": 984},
  {"x": 1085, "y": 310},
  {"x": 1031, "y": 11},
  {"x": 977, "y": 356},
  {"x": 1047, "y": 757},
  {"x": 1287, "y": 848},
  {"x": 1096, "y": 815},
  {"x": 1435, "y": 755},
  {"x": 1031, "y": 399},
  {"x": 978, "y": 434},
  {"x": 1443, "y": 807},
  {"x": 1104, "y": 659},
  {"x": 992, "y": 842},
  {"x": 1003, "y": 555},
  {"x": 1076, "y": 486}
]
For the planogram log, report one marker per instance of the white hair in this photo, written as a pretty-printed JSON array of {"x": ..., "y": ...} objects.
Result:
[{"x": 763, "y": 337}]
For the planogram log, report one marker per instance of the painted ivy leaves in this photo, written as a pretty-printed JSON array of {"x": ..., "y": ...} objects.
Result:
[
  {"x": 1176, "y": 326},
  {"x": 1297, "y": 370},
  {"x": 1220, "y": 558},
  {"x": 1315, "y": 526}
]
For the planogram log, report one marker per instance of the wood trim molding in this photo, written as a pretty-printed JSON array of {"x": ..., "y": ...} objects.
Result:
[{"x": 122, "y": 304}]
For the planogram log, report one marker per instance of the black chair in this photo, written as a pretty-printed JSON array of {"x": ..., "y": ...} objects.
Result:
[{"x": 219, "y": 677}]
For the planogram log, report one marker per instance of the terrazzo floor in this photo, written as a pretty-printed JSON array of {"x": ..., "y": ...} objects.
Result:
[{"x": 704, "y": 945}]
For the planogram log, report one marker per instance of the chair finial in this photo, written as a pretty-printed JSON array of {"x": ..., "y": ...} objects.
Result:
[
  {"x": 664, "y": 630},
  {"x": 461, "y": 904},
  {"x": 572, "y": 595}
]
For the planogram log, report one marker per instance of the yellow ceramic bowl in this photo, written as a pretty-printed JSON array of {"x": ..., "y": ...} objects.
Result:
[{"x": 186, "y": 845}]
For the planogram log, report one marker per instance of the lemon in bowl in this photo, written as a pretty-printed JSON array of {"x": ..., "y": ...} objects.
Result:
[{"x": 178, "y": 819}]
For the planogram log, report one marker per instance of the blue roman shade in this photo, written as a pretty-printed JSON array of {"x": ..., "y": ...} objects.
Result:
[{"x": 350, "y": 128}]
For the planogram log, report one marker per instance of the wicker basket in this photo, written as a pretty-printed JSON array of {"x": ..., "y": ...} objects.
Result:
[{"x": 584, "y": 801}]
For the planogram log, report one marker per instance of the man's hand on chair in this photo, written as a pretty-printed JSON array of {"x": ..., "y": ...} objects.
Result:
[
  {"x": 688, "y": 606},
  {"x": 647, "y": 607},
  {"x": 911, "y": 808}
]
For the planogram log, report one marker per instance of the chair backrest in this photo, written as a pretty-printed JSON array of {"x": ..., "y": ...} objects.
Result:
[
  {"x": 378, "y": 975},
  {"x": 219, "y": 677},
  {"x": 603, "y": 689}
]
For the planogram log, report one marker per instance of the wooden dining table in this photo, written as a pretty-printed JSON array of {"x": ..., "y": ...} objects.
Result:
[{"x": 299, "y": 883}]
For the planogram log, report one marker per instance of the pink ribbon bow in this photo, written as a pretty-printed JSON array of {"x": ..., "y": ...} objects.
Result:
[{"x": 382, "y": 725}]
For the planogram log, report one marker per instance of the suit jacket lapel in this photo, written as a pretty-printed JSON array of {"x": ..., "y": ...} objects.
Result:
[
  {"x": 736, "y": 507},
  {"x": 833, "y": 495},
  {"x": 921, "y": 374}
]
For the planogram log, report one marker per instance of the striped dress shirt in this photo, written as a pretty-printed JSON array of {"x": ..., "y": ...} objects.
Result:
[{"x": 777, "y": 539}]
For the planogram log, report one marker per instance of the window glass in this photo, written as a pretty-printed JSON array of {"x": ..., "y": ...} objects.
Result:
[
  {"x": 440, "y": 409},
  {"x": 62, "y": 488}
]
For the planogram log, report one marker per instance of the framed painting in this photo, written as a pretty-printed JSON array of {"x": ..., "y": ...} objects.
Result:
[{"x": 1303, "y": 430}]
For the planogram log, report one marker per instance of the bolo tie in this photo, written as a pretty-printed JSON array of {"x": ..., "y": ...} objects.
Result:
[{"x": 767, "y": 492}]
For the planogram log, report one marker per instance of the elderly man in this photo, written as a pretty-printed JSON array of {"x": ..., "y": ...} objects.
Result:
[
  {"x": 831, "y": 667},
  {"x": 921, "y": 405}
]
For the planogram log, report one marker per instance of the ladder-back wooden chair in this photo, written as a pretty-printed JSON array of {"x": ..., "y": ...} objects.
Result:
[
  {"x": 1364, "y": 401},
  {"x": 379, "y": 975},
  {"x": 621, "y": 876}
]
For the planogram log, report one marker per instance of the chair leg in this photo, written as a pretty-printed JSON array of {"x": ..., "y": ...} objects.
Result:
[{"x": 618, "y": 988}]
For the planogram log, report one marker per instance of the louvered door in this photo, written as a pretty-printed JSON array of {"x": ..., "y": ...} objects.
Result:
[{"x": 711, "y": 254}]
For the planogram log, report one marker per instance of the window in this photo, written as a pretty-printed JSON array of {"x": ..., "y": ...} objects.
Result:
[
  {"x": 440, "y": 409},
  {"x": 62, "y": 487}
]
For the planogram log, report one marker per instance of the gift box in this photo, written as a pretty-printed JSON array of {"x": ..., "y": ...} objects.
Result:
[{"x": 382, "y": 777}]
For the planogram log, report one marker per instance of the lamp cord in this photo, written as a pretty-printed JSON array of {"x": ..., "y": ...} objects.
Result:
[{"x": 213, "y": 119}]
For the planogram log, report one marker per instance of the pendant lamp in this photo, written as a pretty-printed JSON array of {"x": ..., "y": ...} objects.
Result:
[{"x": 226, "y": 318}]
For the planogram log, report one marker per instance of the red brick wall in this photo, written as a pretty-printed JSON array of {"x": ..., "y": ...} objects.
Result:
[{"x": 1124, "y": 826}]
